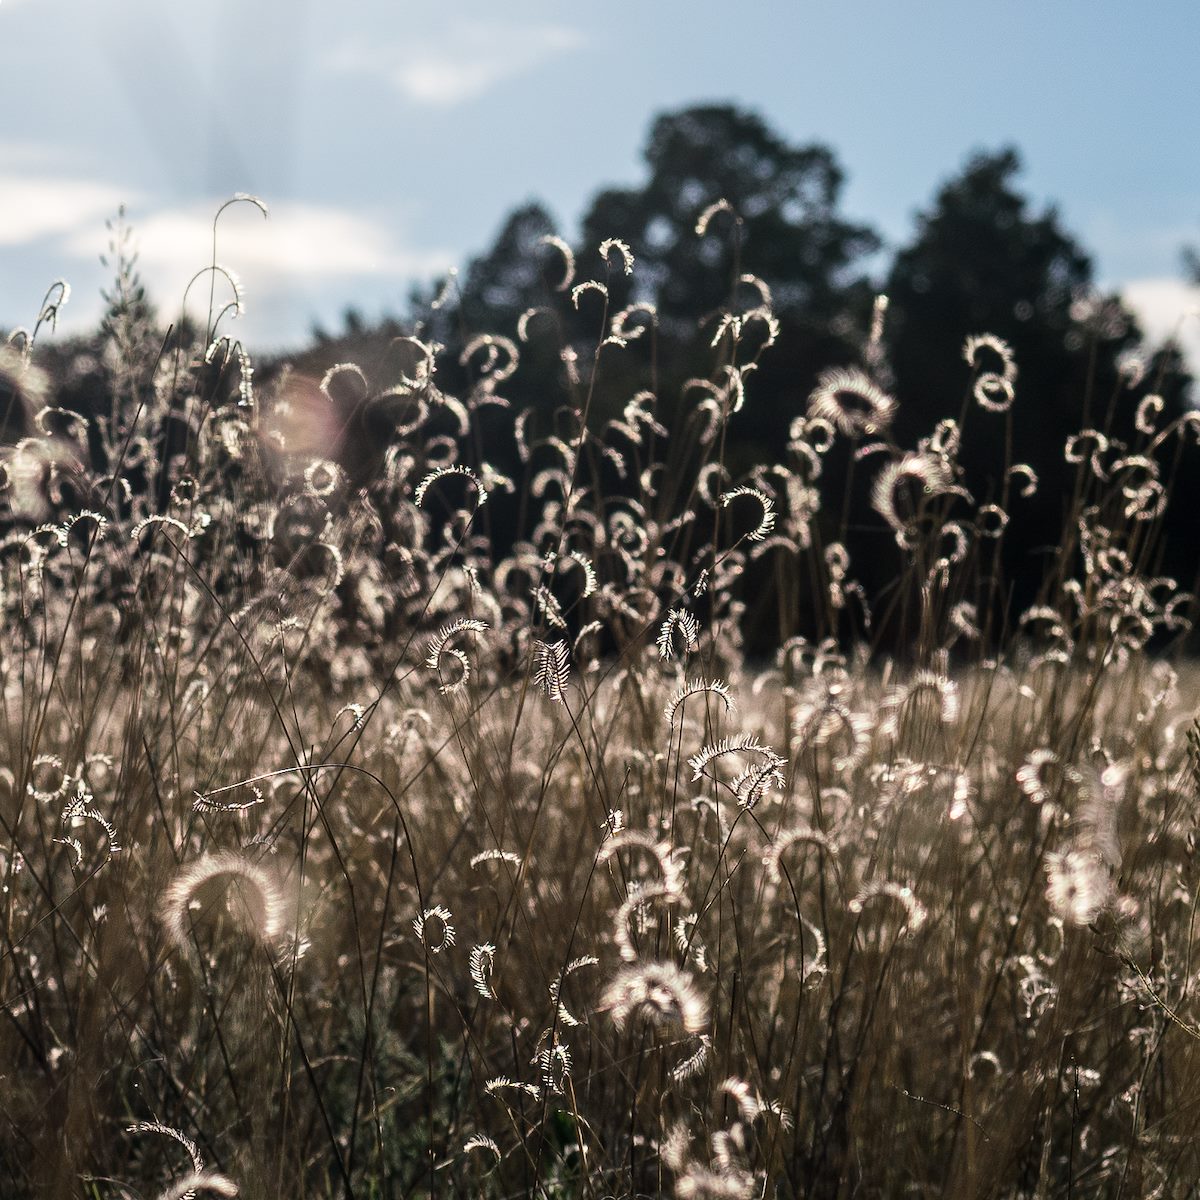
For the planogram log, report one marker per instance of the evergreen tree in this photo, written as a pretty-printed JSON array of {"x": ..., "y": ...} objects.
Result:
[{"x": 983, "y": 261}]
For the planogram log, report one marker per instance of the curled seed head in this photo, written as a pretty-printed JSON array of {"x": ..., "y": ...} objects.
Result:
[
  {"x": 915, "y": 912},
  {"x": 626, "y": 255},
  {"x": 851, "y": 401},
  {"x": 482, "y": 959},
  {"x": 1077, "y": 886},
  {"x": 266, "y": 904},
  {"x": 658, "y": 992},
  {"x": 422, "y": 927},
  {"x": 568, "y": 259}
]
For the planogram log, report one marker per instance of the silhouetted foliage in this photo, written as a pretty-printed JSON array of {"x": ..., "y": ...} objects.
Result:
[
  {"x": 592, "y": 336},
  {"x": 983, "y": 262},
  {"x": 1191, "y": 263},
  {"x": 785, "y": 230}
]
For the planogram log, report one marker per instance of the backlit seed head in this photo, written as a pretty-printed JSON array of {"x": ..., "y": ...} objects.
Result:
[
  {"x": 852, "y": 402},
  {"x": 659, "y": 993},
  {"x": 258, "y": 896}
]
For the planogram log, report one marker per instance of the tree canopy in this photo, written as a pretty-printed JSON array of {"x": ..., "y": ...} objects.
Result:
[
  {"x": 984, "y": 262},
  {"x": 992, "y": 319}
]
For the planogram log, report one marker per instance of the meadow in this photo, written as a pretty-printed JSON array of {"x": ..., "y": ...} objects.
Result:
[{"x": 344, "y": 854}]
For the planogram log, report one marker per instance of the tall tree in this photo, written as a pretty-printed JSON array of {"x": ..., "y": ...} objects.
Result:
[
  {"x": 983, "y": 261},
  {"x": 784, "y": 229},
  {"x": 785, "y": 197},
  {"x": 516, "y": 274},
  {"x": 1191, "y": 263}
]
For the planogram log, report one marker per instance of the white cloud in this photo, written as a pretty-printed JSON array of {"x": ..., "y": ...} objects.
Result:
[
  {"x": 1167, "y": 308},
  {"x": 298, "y": 241},
  {"x": 27, "y": 154},
  {"x": 290, "y": 266},
  {"x": 462, "y": 62},
  {"x": 41, "y": 206}
]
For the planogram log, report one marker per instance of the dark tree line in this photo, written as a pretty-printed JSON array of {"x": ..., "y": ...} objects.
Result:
[{"x": 982, "y": 259}]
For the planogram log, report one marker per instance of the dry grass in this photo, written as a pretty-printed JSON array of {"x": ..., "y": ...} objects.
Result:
[{"x": 341, "y": 857}]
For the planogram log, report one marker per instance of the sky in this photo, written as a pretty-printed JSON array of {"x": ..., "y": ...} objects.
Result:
[{"x": 390, "y": 139}]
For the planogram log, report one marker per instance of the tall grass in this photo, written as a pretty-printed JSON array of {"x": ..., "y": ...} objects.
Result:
[{"x": 343, "y": 855}]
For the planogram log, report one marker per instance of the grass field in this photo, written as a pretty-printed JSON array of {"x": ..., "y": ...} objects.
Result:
[{"x": 343, "y": 857}]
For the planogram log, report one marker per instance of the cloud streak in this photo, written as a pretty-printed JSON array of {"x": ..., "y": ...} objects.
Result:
[
  {"x": 288, "y": 265},
  {"x": 460, "y": 64},
  {"x": 35, "y": 206},
  {"x": 298, "y": 241},
  {"x": 1167, "y": 308}
]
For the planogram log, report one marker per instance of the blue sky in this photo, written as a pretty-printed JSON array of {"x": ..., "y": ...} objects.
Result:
[{"x": 390, "y": 138}]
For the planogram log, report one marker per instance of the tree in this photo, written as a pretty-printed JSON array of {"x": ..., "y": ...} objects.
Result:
[
  {"x": 983, "y": 262},
  {"x": 785, "y": 200},
  {"x": 784, "y": 229},
  {"x": 1191, "y": 263},
  {"x": 515, "y": 275}
]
